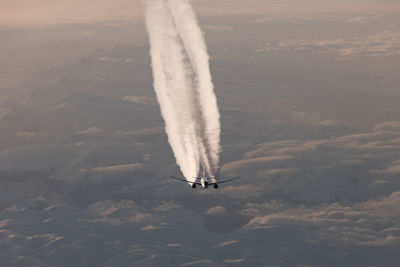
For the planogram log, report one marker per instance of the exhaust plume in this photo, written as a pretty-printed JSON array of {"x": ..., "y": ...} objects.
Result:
[{"x": 182, "y": 82}]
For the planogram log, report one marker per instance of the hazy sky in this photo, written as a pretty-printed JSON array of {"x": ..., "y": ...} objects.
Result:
[{"x": 47, "y": 11}]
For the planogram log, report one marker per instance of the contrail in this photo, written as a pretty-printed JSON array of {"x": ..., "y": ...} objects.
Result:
[{"x": 182, "y": 81}]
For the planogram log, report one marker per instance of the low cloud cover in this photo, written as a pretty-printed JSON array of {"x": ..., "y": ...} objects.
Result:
[{"x": 310, "y": 121}]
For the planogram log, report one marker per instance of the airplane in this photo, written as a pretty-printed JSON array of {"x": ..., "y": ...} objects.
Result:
[{"x": 204, "y": 181}]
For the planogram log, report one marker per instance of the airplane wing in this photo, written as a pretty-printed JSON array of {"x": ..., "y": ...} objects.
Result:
[
  {"x": 224, "y": 181},
  {"x": 184, "y": 180}
]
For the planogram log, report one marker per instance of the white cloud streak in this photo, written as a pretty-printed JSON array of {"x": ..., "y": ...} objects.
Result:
[{"x": 183, "y": 86}]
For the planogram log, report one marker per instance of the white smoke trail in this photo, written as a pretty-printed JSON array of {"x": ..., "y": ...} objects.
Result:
[
  {"x": 188, "y": 28},
  {"x": 182, "y": 82}
]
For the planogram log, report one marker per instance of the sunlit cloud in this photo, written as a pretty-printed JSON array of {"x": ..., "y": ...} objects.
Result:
[{"x": 386, "y": 43}]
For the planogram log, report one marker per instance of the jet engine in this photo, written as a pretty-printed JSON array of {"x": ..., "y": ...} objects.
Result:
[
  {"x": 193, "y": 186},
  {"x": 216, "y": 186}
]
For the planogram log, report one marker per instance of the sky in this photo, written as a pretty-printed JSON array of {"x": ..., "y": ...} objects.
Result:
[
  {"x": 308, "y": 93},
  {"x": 70, "y": 11}
]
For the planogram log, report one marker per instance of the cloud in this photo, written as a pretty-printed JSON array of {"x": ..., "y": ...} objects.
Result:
[
  {"x": 326, "y": 123},
  {"x": 110, "y": 59},
  {"x": 386, "y": 207},
  {"x": 107, "y": 207},
  {"x": 267, "y": 148},
  {"x": 148, "y": 133},
  {"x": 234, "y": 165},
  {"x": 388, "y": 126},
  {"x": 136, "y": 218},
  {"x": 196, "y": 262},
  {"x": 28, "y": 136},
  {"x": 387, "y": 241},
  {"x": 227, "y": 243},
  {"x": 309, "y": 146},
  {"x": 93, "y": 131},
  {"x": 234, "y": 260},
  {"x": 394, "y": 169},
  {"x": 166, "y": 206},
  {"x": 50, "y": 238},
  {"x": 145, "y": 100},
  {"x": 370, "y": 140},
  {"x": 114, "y": 168},
  {"x": 122, "y": 212},
  {"x": 271, "y": 172},
  {"x": 367, "y": 140},
  {"x": 151, "y": 227},
  {"x": 241, "y": 191},
  {"x": 218, "y": 210},
  {"x": 255, "y": 209},
  {"x": 286, "y": 149},
  {"x": 174, "y": 245},
  {"x": 385, "y": 43},
  {"x": 364, "y": 224}
]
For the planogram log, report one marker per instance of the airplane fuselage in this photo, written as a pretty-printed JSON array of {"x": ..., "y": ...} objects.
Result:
[{"x": 204, "y": 182}]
